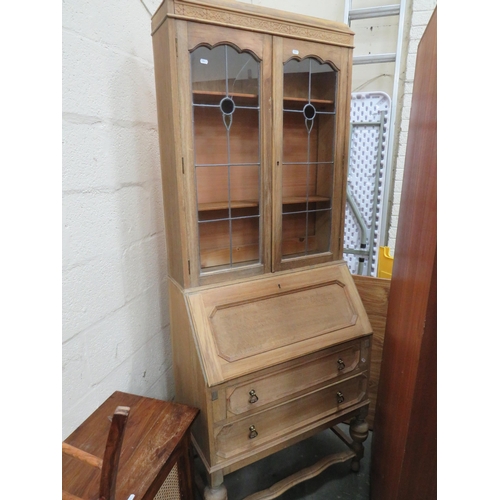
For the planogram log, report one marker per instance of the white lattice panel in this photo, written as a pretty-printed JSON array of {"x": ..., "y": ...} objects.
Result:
[{"x": 367, "y": 162}]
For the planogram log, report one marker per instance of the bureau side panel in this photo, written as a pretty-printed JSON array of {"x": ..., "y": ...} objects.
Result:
[
  {"x": 190, "y": 387},
  {"x": 165, "y": 66},
  {"x": 374, "y": 293}
]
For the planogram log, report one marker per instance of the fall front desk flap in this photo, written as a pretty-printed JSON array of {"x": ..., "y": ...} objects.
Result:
[{"x": 245, "y": 326}]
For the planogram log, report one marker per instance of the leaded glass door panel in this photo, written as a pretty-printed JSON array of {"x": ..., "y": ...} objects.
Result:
[
  {"x": 307, "y": 185},
  {"x": 227, "y": 142}
]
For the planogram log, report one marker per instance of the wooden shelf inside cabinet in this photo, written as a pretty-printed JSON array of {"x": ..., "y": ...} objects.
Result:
[
  {"x": 224, "y": 205},
  {"x": 290, "y": 200},
  {"x": 305, "y": 101},
  {"x": 214, "y": 97}
]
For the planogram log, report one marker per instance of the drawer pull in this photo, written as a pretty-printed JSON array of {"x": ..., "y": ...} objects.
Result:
[
  {"x": 253, "y": 432},
  {"x": 340, "y": 397},
  {"x": 340, "y": 364},
  {"x": 253, "y": 397}
]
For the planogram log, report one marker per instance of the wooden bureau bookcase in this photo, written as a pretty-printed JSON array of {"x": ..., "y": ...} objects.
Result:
[{"x": 270, "y": 338}]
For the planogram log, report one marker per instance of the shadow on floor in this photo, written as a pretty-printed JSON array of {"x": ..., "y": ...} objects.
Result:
[{"x": 335, "y": 483}]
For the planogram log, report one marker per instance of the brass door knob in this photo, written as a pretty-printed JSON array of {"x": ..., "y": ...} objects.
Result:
[
  {"x": 340, "y": 397},
  {"x": 340, "y": 364},
  {"x": 253, "y": 397},
  {"x": 253, "y": 432}
]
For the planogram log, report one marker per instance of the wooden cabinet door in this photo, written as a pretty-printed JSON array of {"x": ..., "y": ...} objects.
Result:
[
  {"x": 311, "y": 121},
  {"x": 224, "y": 77}
]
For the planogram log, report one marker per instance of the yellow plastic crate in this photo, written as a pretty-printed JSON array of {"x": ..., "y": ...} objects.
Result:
[{"x": 385, "y": 262}]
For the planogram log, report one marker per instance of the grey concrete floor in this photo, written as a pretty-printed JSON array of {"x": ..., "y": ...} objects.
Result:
[{"x": 335, "y": 483}]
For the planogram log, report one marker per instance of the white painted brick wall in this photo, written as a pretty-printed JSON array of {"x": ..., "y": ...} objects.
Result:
[
  {"x": 115, "y": 302},
  {"x": 421, "y": 13},
  {"x": 115, "y": 316}
]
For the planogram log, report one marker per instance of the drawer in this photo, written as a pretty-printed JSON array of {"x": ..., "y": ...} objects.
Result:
[
  {"x": 262, "y": 428},
  {"x": 303, "y": 374}
]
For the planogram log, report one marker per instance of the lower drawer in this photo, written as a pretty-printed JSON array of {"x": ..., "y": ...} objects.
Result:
[{"x": 262, "y": 428}]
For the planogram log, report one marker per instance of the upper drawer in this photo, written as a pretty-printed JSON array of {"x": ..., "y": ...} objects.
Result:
[
  {"x": 269, "y": 426},
  {"x": 306, "y": 373}
]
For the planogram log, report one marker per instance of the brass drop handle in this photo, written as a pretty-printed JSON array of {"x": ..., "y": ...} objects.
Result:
[
  {"x": 340, "y": 364},
  {"x": 253, "y": 432},
  {"x": 340, "y": 397},
  {"x": 253, "y": 397}
]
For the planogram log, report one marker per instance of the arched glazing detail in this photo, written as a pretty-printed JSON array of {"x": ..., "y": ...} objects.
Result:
[
  {"x": 226, "y": 122},
  {"x": 309, "y": 100}
]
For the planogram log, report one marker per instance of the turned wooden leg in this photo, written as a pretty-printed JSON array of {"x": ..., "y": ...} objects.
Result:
[
  {"x": 216, "y": 490},
  {"x": 358, "y": 430}
]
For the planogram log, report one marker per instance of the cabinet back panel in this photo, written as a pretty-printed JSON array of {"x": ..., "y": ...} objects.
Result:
[
  {"x": 215, "y": 245},
  {"x": 247, "y": 87},
  {"x": 294, "y": 233},
  {"x": 212, "y": 184},
  {"x": 295, "y": 86},
  {"x": 220, "y": 256},
  {"x": 295, "y": 139},
  {"x": 244, "y": 231},
  {"x": 296, "y": 182},
  {"x": 211, "y": 145},
  {"x": 326, "y": 124}
]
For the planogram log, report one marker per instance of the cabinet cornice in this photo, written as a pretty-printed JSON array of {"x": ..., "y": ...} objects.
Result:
[{"x": 258, "y": 19}]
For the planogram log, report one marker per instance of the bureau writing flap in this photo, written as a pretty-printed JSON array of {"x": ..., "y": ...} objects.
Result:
[{"x": 247, "y": 325}]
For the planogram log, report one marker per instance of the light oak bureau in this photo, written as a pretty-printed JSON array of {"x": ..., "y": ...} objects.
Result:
[{"x": 270, "y": 338}]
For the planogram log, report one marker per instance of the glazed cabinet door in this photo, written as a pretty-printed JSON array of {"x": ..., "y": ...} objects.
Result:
[
  {"x": 311, "y": 123},
  {"x": 264, "y": 126},
  {"x": 225, "y": 75}
]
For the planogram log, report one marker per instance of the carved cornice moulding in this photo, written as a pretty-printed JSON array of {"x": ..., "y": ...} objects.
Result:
[{"x": 253, "y": 21}]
